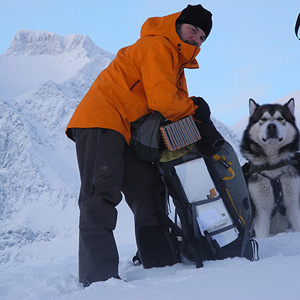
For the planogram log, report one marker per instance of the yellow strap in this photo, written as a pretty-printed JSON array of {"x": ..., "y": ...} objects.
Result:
[
  {"x": 224, "y": 162},
  {"x": 216, "y": 157},
  {"x": 238, "y": 213},
  {"x": 229, "y": 177}
]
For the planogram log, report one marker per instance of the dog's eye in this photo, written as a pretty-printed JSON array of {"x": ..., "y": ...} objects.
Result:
[
  {"x": 280, "y": 119},
  {"x": 264, "y": 119}
]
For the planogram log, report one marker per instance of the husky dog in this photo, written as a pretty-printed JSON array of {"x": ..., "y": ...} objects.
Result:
[{"x": 270, "y": 143}]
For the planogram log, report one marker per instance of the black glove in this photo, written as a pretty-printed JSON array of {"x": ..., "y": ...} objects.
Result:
[
  {"x": 211, "y": 139},
  {"x": 202, "y": 112}
]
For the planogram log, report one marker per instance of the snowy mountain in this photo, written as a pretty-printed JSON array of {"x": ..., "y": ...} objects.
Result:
[
  {"x": 43, "y": 76},
  {"x": 35, "y": 57},
  {"x": 39, "y": 177},
  {"x": 34, "y": 43}
]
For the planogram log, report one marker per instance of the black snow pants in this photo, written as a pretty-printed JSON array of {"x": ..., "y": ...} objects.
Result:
[{"x": 107, "y": 166}]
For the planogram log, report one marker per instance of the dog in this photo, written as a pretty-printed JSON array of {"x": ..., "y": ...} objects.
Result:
[{"x": 270, "y": 143}]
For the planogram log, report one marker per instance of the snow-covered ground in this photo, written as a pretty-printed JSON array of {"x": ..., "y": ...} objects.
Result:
[
  {"x": 39, "y": 185},
  {"x": 50, "y": 272}
]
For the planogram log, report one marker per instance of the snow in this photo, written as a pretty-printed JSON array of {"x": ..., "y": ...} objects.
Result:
[
  {"x": 51, "y": 273},
  {"x": 39, "y": 185}
]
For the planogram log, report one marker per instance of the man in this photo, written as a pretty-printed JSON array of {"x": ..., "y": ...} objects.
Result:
[{"x": 146, "y": 76}]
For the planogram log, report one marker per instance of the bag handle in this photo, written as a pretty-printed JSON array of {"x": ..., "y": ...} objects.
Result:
[{"x": 297, "y": 26}]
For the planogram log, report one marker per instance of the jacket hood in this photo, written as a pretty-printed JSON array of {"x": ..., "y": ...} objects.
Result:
[{"x": 165, "y": 26}]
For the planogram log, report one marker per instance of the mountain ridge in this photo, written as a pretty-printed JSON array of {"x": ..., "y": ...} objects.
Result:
[
  {"x": 35, "y": 57},
  {"x": 31, "y": 42}
]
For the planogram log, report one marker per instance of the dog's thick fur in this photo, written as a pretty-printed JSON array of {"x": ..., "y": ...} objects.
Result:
[{"x": 270, "y": 138}]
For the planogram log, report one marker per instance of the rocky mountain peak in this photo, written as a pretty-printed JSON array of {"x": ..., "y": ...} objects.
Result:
[{"x": 30, "y": 42}]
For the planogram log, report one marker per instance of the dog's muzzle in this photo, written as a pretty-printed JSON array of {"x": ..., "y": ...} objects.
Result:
[{"x": 272, "y": 133}]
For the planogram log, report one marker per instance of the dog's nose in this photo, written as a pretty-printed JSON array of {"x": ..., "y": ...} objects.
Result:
[
  {"x": 271, "y": 126},
  {"x": 272, "y": 131}
]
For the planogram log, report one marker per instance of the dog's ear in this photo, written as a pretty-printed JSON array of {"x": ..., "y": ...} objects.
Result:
[
  {"x": 291, "y": 105},
  {"x": 252, "y": 106}
]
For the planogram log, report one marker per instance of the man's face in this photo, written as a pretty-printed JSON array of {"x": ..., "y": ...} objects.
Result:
[{"x": 191, "y": 34}]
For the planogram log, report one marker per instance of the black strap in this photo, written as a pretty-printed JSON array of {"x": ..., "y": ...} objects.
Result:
[
  {"x": 278, "y": 197},
  {"x": 297, "y": 26},
  {"x": 255, "y": 249},
  {"x": 245, "y": 240}
]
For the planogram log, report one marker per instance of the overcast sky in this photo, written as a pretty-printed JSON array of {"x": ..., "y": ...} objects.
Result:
[{"x": 252, "y": 51}]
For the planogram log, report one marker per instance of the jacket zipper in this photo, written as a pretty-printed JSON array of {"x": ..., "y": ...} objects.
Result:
[
  {"x": 133, "y": 86},
  {"x": 182, "y": 66}
]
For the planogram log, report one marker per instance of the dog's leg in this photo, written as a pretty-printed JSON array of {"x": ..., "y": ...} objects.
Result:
[
  {"x": 293, "y": 215},
  {"x": 292, "y": 188},
  {"x": 262, "y": 223},
  {"x": 261, "y": 194}
]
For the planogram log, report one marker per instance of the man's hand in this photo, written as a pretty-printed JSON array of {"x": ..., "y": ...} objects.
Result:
[
  {"x": 211, "y": 139},
  {"x": 202, "y": 112}
]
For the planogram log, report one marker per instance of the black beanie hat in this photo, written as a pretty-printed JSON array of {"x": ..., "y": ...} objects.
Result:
[{"x": 198, "y": 16}]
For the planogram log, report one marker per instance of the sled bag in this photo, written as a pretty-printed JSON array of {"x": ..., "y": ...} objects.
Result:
[
  {"x": 207, "y": 205},
  {"x": 211, "y": 200}
]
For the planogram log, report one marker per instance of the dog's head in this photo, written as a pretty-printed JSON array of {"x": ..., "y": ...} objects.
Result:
[
  {"x": 273, "y": 124},
  {"x": 271, "y": 129}
]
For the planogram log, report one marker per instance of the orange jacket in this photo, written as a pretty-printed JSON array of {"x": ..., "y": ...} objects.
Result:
[{"x": 146, "y": 76}]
